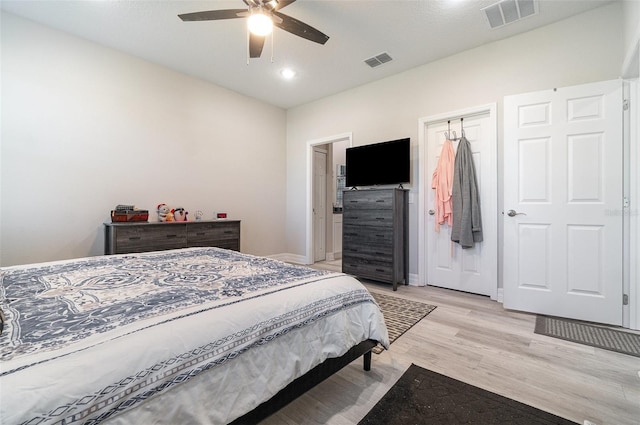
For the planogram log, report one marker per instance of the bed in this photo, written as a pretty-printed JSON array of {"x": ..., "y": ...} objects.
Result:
[{"x": 197, "y": 335}]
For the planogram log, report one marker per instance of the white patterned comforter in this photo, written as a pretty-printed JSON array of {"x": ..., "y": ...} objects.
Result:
[{"x": 200, "y": 335}]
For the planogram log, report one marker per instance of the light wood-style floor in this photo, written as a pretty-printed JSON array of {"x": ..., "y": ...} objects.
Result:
[{"x": 473, "y": 339}]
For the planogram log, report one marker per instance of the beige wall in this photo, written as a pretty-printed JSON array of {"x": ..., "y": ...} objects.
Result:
[
  {"x": 85, "y": 128},
  {"x": 631, "y": 23},
  {"x": 631, "y": 27},
  {"x": 142, "y": 134},
  {"x": 585, "y": 48}
]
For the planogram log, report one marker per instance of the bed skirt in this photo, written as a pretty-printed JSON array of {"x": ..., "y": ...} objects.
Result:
[{"x": 308, "y": 381}]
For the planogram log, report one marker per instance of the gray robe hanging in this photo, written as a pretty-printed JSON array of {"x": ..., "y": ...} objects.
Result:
[{"x": 467, "y": 222}]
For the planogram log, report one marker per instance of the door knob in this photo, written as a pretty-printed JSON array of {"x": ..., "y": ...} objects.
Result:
[
  {"x": 431, "y": 212},
  {"x": 512, "y": 213}
]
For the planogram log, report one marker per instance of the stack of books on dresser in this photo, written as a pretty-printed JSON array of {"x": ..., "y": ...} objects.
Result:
[{"x": 128, "y": 213}]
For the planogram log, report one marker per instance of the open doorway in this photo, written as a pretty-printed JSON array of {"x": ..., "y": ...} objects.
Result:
[{"x": 325, "y": 165}]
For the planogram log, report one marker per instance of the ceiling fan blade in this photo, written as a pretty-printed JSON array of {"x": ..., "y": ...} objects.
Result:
[
  {"x": 269, "y": 5},
  {"x": 299, "y": 28},
  {"x": 283, "y": 3},
  {"x": 256, "y": 43},
  {"x": 213, "y": 15}
]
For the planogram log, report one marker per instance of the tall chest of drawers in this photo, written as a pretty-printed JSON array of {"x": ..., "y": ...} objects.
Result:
[
  {"x": 375, "y": 235},
  {"x": 124, "y": 238}
]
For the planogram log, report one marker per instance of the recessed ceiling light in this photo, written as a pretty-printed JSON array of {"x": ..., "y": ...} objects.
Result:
[{"x": 287, "y": 73}]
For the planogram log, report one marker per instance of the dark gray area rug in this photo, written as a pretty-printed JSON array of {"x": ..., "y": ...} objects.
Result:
[
  {"x": 424, "y": 397},
  {"x": 625, "y": 342},
  {"x": 400, "y": 315}
]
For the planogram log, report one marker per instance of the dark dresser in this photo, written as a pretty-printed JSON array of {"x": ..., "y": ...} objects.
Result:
[
  {"x": 375, "y": 235},
  {"x": 123, "y": 238}
]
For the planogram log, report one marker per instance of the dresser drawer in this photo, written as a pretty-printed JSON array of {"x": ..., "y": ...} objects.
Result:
[
  {"x": 364, "y": 235},
  {"x": 218, "y": 234},
  {"x": 367, "y": 199},
  {"x": 362, "y": 267},
  {"x": 377, "y": 252},
  {"x": 212, "y": 231},
  {"x": 368, "y": 217},
  {"x": 232, "y": 244},
  {"x": 150, "y": 238}
]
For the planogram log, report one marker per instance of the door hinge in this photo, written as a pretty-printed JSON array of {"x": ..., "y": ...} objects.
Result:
[
  {"x": 625, "y": 299},
  {"x": 625, "y": 104}
]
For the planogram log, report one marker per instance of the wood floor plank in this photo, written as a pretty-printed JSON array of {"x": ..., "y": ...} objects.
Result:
[{"x": 473, "y": 339}]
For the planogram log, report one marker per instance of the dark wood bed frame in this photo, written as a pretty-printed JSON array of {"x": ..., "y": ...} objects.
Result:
[{"x": 308, "y": 381}]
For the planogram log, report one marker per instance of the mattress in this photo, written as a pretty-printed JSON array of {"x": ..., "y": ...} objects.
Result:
[{"x": 198, "y": 335}]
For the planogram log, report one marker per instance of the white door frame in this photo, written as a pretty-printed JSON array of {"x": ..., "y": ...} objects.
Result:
[
  {"x": 314, "y": 208},
  {"x": 424, "y": 178},
  {"x": 631, "y": 315},
  {"x": 310, "y": 144}
]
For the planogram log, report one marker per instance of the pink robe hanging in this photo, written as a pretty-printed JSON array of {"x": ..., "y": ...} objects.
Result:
[{"x": 442, "y": 182}]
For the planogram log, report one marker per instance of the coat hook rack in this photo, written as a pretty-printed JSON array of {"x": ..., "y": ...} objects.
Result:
[{"x": 447, "y": 133}]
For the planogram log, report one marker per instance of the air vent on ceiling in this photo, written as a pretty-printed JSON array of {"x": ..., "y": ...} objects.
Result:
[
  {"x": 508, "y": 11},
  {"x": 378, "y": 60}
]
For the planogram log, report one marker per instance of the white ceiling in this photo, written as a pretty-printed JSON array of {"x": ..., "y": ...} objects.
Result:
[{"x": 413, "y": 32}]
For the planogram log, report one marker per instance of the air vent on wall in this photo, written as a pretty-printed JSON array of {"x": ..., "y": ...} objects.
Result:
[
  {"x": 378, "y": 60},
  {"x": 508, "y": 11}
]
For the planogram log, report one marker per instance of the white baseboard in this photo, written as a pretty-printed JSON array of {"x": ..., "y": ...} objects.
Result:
[
  {"x": 290, "y": 258},
  {"x": 413, "y": 280},
  {"x": 332, "y": 256}
]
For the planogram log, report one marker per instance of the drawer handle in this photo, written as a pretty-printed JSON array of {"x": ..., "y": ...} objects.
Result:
[
  {"x": 380, "y": 270},
  {"x": 379, "y": 200},
  {"x": 200, "y": 233},
  {"x": 228, "y": 232},
  {"x": 350, "y": 234},
  {"x": 134, "y": 238},
  {"x": 172, "y": 236},
  {"x": 380, "y": 218},
  {"x": 380, "y": 236},
  {"x": 379, "y": 253}
]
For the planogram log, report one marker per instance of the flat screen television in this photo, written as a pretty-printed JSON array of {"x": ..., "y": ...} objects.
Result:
[{"x": 383, "y": 163}]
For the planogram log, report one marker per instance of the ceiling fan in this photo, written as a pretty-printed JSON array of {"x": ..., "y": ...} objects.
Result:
[{"x": 262, "y": 14}]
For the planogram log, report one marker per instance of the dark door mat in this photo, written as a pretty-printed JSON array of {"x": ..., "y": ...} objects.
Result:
[
  {"x": 424, "y": 397},
  {"x": 625, "y": 342}
]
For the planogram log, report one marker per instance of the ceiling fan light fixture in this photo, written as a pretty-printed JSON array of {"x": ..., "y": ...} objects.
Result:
[
  {"x": 260, "y": 24},
  {"x": 287, "y": 73}
]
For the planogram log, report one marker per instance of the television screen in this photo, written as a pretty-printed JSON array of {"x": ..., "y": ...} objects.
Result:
[{"x": 379, "y": 163}]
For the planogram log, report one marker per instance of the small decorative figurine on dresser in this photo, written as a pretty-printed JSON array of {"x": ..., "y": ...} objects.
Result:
[
  {"x": 163, "y": 211},
  {"x": 179, "y": 214},
  {"x": 198, "y": 215}
]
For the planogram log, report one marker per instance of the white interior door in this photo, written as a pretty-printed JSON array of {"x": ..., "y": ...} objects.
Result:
[
  {"x": 319, "y": 204},
  {"x": 564, "y": 187},
  {"x": 448, "y": 265}
]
